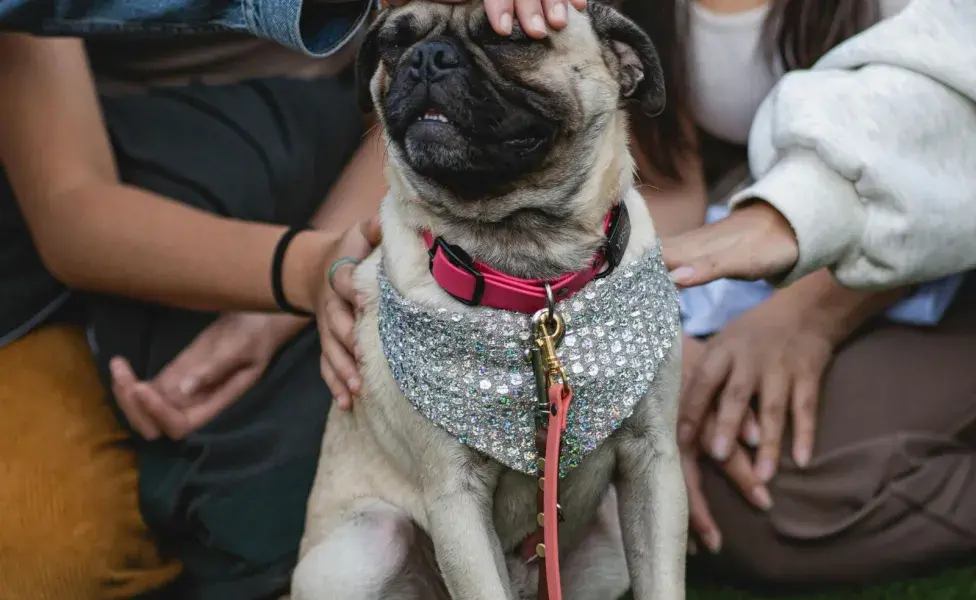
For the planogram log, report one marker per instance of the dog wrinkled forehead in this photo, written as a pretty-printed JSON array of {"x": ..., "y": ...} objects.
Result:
[
  {"x": 596, "y": 44},
  {"x": 468, "y": 25}
]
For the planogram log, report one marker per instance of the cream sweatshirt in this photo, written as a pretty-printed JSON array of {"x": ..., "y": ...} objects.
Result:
[{"x": 871, "y": 154}]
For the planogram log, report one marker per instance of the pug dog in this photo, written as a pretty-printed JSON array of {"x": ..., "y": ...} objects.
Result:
[{"x": 513, "y": 152}]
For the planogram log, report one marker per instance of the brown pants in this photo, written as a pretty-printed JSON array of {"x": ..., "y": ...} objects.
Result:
[
  {"x": 892, "y": 486},
  {"x": 70, "y": 527}
]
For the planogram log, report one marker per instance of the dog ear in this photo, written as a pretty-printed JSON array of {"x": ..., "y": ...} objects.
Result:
[
  {"x": 638, "y": 66},
  {"x": 367, "y": 61}
]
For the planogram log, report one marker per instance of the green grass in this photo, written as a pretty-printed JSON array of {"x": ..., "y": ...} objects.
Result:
[{"x": 955, "y": 584}]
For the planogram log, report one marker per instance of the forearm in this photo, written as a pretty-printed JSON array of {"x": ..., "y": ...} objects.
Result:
[
  {"x": 834, "y": 308},
  {"x": 126, "y": 241},
  {"x": 357, "y": 193}
]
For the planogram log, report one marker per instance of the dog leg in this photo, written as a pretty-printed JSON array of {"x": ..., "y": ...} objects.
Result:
[
  {"x": 465, "y": 541},
  {"x": 360, "y": 558},
  {"x": 653, "y": 516},
  {"x": 597, "y": 568}
]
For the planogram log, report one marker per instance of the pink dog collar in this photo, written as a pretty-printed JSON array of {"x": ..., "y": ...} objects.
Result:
[{"x": 476, "y": 284}]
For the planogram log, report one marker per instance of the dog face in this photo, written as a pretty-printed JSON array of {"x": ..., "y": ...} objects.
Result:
[{"x": 472, "y": 116}]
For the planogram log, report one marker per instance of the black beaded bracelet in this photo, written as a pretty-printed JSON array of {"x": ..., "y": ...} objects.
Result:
[{"x": 277, "y": 262}]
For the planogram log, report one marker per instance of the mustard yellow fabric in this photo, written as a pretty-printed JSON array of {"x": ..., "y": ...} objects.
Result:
[{"x": 70, "y": 527}]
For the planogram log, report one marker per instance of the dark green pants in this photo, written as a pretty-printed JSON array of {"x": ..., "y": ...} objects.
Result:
[{"x": 230, "y": 499}]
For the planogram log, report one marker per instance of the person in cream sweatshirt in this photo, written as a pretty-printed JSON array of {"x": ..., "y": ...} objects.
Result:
[{"x": 865, "y": 164}]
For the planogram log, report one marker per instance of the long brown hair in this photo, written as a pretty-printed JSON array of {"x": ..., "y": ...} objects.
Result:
[{"x": 796, "y": 32}]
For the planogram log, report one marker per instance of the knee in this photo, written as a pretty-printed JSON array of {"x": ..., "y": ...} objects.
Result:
[
  {"x": 362, "y": 555},
  {"x": 71, "y": 527}
]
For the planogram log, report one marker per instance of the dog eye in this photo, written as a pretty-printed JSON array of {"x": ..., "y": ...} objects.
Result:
[{"x": 399, "y": 35}]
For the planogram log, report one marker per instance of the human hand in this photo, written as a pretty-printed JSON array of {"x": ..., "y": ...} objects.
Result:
[
  {"x": 210, "y": 374},
  {"x": 779, "y": 352},
  {"x": 533, "y": 15},
  {"x": 738, "y": 466},
  {"x": 754, "y": 242},
  {"x": 336, "y": 316}
]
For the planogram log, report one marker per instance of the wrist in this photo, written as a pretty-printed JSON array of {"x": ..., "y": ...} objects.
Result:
[
  {"x": 820, "y": 302},
  {"x": 304, "y": 268}
]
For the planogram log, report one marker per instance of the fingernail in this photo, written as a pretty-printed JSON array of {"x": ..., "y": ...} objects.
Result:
[
  {"x": 357, "y": 351},
  {"x": 752, "y": 434},
  {"x": 720, "y": 448},
  {"x": 115, "y": 366},
  {"x": 682, "y": 274},
  {"x": 713, "y": 541},
  {"x": 188, "y": 386},
  {"x": 765, "y": 469},
  {"x": 353, "y": 384},
  {"x": 559, "y": 11},
  {"x": 538, "y": 23},
  {"x": 761, "y": 495},
  {"x": 684, "y": 434},
  {"x": 342, "y": 402},
  {"x": 801, "y": 456},
  {"x": 692, "y": 548},
  {"x": 505, "y": 22}
]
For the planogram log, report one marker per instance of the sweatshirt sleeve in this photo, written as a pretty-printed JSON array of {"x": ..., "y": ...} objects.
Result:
[{"x": 871, "y": 155}]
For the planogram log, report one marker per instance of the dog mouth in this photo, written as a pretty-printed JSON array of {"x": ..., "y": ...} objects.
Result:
[{"x": 432, "y": 115}]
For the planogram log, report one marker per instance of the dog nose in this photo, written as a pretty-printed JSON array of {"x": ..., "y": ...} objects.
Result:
[{"x": 434, "y": 59}]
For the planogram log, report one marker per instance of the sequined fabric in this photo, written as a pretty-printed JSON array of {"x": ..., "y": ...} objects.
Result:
[{"x": 467, "y": 371}]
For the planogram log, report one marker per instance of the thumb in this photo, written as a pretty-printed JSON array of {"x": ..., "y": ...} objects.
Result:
[
  {"x": 372, "y": 231},
  {"x": 218, "y": 368}
]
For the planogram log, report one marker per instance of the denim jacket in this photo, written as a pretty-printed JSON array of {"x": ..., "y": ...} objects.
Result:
[{"x": 314, "y": 27}]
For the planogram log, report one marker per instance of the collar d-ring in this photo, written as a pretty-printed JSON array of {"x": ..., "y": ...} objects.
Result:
[{"x": 550, "y": 304}]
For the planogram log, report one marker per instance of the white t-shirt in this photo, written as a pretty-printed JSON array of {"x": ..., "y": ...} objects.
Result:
[{"x": 729, "y": 72}]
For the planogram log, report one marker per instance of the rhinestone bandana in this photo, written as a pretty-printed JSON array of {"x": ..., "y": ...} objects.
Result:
[{"x": 467, "y": 372}]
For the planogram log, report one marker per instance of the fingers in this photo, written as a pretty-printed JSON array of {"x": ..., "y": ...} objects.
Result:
[
  {"x": 344, "y": 284},
  {"x": 806, "y": 397},
  {"x": 124, "y": 389},
  {"x": 700, "y": 517},
  {"x": 750, "y": 430},
  {"x": 213, "y": 371},
  {"x": 342, "y": 323},
  {"x": 500, "y": 15},
  {"x": 732, "y": 406},
  {"x": 738, "y": 469},
  {"x": 372, "y": 231},
  {"x": 578, "y": 4},
  {"x": 228, "y": 392},
  {"x": 556, "y": 15},
  {"x": 340, "y": 372},
  {"x": 693, "y": 257},
  {"x": 698, "y": 391},
  {"x": 773, "y": 401},
  {"x": 170, "y": 419},
  {"x": 754, "y": 242},
  {"x": 339, "y": 392},
  {"x": 340, "y": 346},
  {"x": 531, "y": 18}
]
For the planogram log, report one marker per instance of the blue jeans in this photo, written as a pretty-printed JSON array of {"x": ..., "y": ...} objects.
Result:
[{"x": 310, "y": 26}]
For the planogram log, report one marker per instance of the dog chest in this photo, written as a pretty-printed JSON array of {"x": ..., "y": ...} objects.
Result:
[{"x": 465, "y": 369}]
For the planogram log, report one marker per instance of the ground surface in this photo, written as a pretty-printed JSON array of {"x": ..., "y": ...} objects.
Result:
[{"x": 957, "y": 584}]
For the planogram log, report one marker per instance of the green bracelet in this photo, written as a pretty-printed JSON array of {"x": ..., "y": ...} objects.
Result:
[{"x": 345, "y": 260}]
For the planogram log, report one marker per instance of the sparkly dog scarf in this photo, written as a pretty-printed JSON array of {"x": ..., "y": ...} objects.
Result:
[{"x": 467, "y": 372}]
